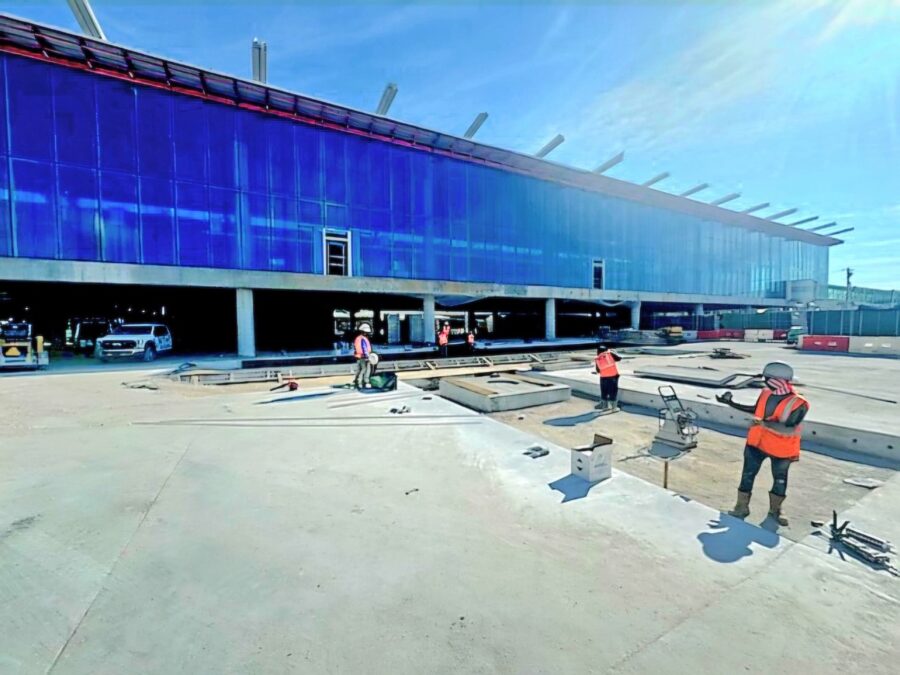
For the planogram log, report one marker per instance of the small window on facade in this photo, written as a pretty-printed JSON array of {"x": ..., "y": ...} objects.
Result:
[
  {"x": 337, "y": 255},
  {"x": 598, "y": 274}
]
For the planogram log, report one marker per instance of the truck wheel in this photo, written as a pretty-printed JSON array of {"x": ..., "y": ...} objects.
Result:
[{"x": 149, "y": 353}]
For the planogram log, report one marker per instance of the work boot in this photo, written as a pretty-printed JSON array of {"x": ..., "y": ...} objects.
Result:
[
  {"x": 614, "y": 404},
  {"x": 775, "y": 502},
  {"x": 602, "y": 405},
  {"x": 742, "y": 507}
]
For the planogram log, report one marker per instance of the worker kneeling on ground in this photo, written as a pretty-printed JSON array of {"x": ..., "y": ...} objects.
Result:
[
  {"x": 605, "y": 363},
  {"x": 775, "y": 433},
  {"x": 361, "y": 350}
]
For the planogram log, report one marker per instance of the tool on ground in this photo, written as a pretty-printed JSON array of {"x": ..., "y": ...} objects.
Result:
[
  {"x": 725, "y": 353},
  {"x": 536, "y": 451},
  {"x": 869, "y": 548},
  {"x": 291, "y": 385},
  {"x": 401, "y": 410},
  {"x": 677, "y": 424}
]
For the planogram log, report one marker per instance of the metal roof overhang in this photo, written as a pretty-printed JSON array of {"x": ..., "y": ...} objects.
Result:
[{"x": 26, "y": 38}]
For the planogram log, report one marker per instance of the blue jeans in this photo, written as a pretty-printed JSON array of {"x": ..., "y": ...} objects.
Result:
[{"x": 753, "y": 459}]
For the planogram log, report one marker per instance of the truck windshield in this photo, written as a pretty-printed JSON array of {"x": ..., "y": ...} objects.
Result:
[{"x": 132, "y": 329}]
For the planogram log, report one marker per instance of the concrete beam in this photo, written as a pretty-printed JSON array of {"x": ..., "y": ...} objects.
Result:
[
  {"x": 387, "y": 98},
  {"x": 86, "y": 19},
  {"x": 246, "y": 327},
  {"x": 636, "y": 315},
  {"x": 550, "y": 319},
  {"x": 78, "y": 271},
  {"x": 804, "y": 221}
]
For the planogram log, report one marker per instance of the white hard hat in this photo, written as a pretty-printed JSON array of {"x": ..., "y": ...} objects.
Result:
[
  {"x": 778, "y": 369},
  {"x": 373, "y": 358},
  {"x": 365, "y": 328}
]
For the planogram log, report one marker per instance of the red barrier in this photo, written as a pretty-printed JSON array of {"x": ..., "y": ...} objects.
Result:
[
  {"x": 709, "y": 334},
  {"x": 732, "y": 333},
  {"x": 826, "y": 343},
  {"x": 779, "y": 334}
]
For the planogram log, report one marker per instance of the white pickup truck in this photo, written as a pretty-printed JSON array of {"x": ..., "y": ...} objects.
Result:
[{"x": 144, "y": 340}]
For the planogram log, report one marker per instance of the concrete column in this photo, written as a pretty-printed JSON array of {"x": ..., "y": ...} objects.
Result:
[
  {"x": 550, "y": 319},
  {"x": 428, "y": 318},
  {"x": 246, "y": 330},
  {"x": 698, "y": 309},
  {"x": 636, "y": 315}
]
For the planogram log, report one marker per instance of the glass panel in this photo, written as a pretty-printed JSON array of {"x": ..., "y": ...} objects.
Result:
[
  {"x": 222, "y": 146},
  {"x": 118, "y": 202},
  {"x": 76, "y": 118},
  {"x": 252, "y": 154},
  {"x": 35, "y": 215},
  {"x": 309, "y": 158},
  {"x": 115, "y": 116},
  {"x": 157, "y": 221},
  {"x": 154, "y": 133},
  {"x": 192, "y": 218},
  {"x": 5, "y": 221},
  {"x": 282, "y": 164},
  {"x": 223, "y": 228},
  {"x": 335, "y": 165},
  {"x": 191, "y": 140},
  {"x": 30, "y": 108},
  {"x": 256, "y": 232},
  {"x": 78, "y": 213},
  {"x": 284, "y": 235}
]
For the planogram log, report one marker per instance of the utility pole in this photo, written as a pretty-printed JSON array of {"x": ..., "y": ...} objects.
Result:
[{"x": 849, "y": 272}]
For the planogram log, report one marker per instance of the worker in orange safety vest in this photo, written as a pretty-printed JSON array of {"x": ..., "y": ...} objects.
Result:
[
  {"x": 470, "y": 341},
  {"x": 774, "y": 433},
  {"x": 605, "y": 366},
  {"x": 362, "y": 347},
  {"x": 443, "y": 340}
]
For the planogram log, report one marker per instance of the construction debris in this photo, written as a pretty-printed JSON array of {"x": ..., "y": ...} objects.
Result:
[
  {"x": 869, "y": 483},
  {"x": 726, "y": 353},
  {"x": 867, "y": 547},
  {"x": 704, "y": 377},
  {"x": 536, "y": 451}
]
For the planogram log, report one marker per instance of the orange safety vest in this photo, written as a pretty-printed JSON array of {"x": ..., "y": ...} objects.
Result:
[
  {"x": 443, "y": 338},
  {"x": 470, "y": 338},
  {"x": 358, "y": 343},
  {"x": 770, "y": 434},
  {"x": 606, "y": 365}
]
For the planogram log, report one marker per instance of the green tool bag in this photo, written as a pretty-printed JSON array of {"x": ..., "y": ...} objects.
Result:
[{"x": 383, "y": 381}]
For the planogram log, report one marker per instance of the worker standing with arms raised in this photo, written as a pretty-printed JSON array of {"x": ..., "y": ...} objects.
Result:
[
  {"x": 605, "y": 364},
  {"x": 775, "y": 433},
  {"x": 361, "y": 350}
]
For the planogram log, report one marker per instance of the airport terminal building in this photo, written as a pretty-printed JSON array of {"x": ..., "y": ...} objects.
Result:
[{"x": 119, "y": 169}]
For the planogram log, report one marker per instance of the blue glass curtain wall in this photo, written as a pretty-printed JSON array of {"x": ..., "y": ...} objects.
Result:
[{"x": 93, "y": 168}]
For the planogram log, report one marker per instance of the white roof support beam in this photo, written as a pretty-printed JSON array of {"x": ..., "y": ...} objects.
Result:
[
  {"x": 726, "y": 198},
  {"x": 552, "y": 144},
  {"x": 86, "y": 19},
  {"x": 387, "y": 98},
  {"x": 782, "y": 214},
  {"x": 833, "y": 234},
  {"x": 656, "y": 179},
  {"x": 804, "y": 221},
  {"x": 259, "y": 60},
  {"x": 822, "y": 227},
  {"x": 611, "y": 162},
  {"x": 758, "y": 207},
  {"x": 694, "y": 190},
  {"x": 476, "y": 125}
]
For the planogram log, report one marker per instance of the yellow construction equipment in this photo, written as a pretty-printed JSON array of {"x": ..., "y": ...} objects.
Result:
[{"x": 18, "y": 349}]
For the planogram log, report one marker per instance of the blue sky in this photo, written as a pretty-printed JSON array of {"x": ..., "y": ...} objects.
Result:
[{"x": 796, "y": 103}]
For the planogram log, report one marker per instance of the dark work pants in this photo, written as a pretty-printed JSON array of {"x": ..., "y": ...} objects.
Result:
[
  {"x": 443, "y": 351},
  {"x": 609, "y": 388},
  {"x": 753, "y": 460}
]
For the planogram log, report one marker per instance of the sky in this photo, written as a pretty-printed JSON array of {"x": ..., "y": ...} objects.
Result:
[{"x": 794, "y": 102}]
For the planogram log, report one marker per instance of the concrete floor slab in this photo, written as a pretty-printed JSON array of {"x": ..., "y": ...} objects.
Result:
[{"x": 173, "y": 548}]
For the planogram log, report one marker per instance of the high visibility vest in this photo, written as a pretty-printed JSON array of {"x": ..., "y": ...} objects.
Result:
[
  {"x": 361, "y": 347},
  {"x": 470, "y": 338},
  {"x": 770, "y": 433},
  {"x": 443, "y": 338},
  {"x": 606, "y": 365}
]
